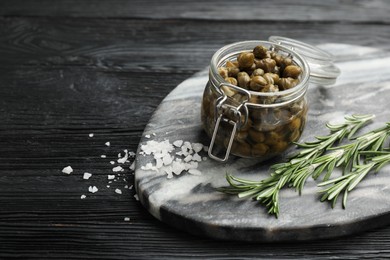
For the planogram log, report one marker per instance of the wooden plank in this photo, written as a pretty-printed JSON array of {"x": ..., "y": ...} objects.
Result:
[
  {"x": 155, "y": 45},
  {"x": 64, "y": 101},
  {"x": 268, "y": 10}
]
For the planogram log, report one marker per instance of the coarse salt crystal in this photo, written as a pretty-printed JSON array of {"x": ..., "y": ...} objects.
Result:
[
  {"x": 83, "y": 197},
  {"x": 131, "y": 186},
  {"x": 178, "y": 143},
  {"x": 126, "y": 219},
  {"x": 196, "y": 157},
  {"x": 107, "y": 143},
  {"x": 112, "y": 162},
  {"x": 147, "y": 136},
  {"x": 136, "y": 197},
  {"x": 117, "y": 169},
  {"x": 110, "y": 177},
  {"x": 167, "y": 159},
  {"x": 118, "y": 191},
  {"x": 188, "y": 145},
  {"x": 92, "y": 189},
  {"x": 197, "y": 147},
  {"x": 103, "y": 156},
  {"x": 153, "y": 146},
  {"x": 177, "y": 167},
  {"x": 123, "y": 159},
  {"x": 148, "y": 166},
  {"x": 188, "y": 158},
  {"x": 67, "y": 170},
  {"x": 159, "y": 163},
  {"x": 108, "y": 186},
  {"x": 191, "y": 165},
  {"x": 131, "y": 154},
  {"x": 87, "y": 175},
  {"x": 91, "y": 135},
  {"x": 172, "y": 164}
]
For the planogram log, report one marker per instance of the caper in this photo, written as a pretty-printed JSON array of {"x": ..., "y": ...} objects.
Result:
[
  {"x": 270, "y": 88},
  {"x": 287, "y": 83},
  {"x": 243, "y": 79},
  {"x": 295, "y": 135},
  {"x": 239, "y": 98},
  {"x": 278, "y": 59},
  {"x": 257, "y": 82},
  {"x": 256, "y": 136},
  {"x": 292, "y": 71},
  {"x": 240, "y": 147},
  {"x": 273, "y": 137},
  {"x": 233, "y": 70},
  {"x": 287, "y": 61},
  {"x": 297, "y": 107},
  {"x": 257, "y": 113},
  {"x": 262, "y": 126},
  {"x": 230, "y": 64},
  {"x": 267, "y": 64},
  {"x": 253, "y": 99},
  {"x": 260, "y": 149},
  {"x": 257, "y": 72},
  {"x": 231, "y": 80},
  {"x": 223, "y": 72},
  {"x": 245, "y": 59},
  {"x": 241, "y": 135},
  {"x": 279, "y": 146},
  {"x": 247, "y": 126},
  {"x": 295, "y": 124},
  {"x": 251, "y": 69},
  {"x": 271, "y": 78},
  {"x": 228, "y": 91},
  {"x": 260, "y": 52}
]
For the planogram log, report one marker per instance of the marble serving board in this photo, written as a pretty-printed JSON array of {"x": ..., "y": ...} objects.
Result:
[{"x": 192, "y": 203}]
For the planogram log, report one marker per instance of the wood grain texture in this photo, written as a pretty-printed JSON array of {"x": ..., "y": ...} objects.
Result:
[
  {"x": 66, "y": 72},
  {"x": 265, "y": 10},
  {"x": 151, "y": 46}
]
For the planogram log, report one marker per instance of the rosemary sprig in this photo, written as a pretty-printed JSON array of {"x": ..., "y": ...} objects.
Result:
[
  {"x": 298, "y": 168},
  {"x": 347, "y": 156},
  {"x": 374, "y": 159}
]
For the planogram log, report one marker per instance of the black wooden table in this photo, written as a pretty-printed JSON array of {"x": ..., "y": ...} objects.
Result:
[{"x": 72, "y": 68}]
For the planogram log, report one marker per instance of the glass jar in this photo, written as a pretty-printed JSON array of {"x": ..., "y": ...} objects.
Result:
[{"x": 255, "y": 124}]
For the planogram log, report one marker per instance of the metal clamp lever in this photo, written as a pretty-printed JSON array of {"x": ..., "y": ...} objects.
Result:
[
  {"x": 229, "y": 147},
  {"x": 221, "y": 106}
]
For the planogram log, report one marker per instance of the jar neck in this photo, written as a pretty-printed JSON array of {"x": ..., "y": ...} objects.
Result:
[{"x": 230, "y": 53}]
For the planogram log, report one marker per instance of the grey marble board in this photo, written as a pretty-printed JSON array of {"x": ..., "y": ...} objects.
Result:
[{"x": 191, "y": 203}]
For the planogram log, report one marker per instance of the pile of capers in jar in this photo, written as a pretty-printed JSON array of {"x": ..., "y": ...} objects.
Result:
[
  {"x": 261, "y": 70},
  {"x": 267, "y": 131}
]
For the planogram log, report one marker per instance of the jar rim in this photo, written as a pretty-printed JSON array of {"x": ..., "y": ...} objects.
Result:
[{"x": 237, "y": 47}]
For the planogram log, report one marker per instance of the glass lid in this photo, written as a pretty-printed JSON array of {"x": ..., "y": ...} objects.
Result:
[{"x": 322, "y": 69}]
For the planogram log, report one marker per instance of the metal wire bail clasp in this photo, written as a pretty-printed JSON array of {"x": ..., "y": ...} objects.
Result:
[{"x": 231, "y": 113}]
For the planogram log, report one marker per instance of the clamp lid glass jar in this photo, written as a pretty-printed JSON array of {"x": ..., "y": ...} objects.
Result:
[{"x": 259, "y": 115}]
